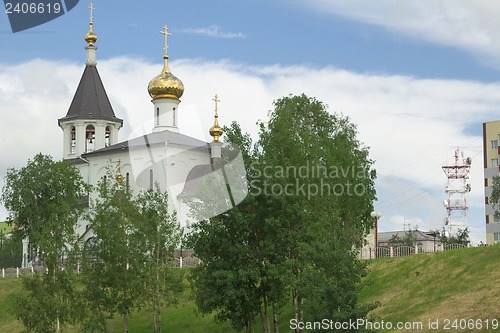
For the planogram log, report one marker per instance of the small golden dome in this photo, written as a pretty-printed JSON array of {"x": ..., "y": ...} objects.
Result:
[
  {"x": 165, "y": 84},
  {"x": 90, "y": 37},
  {"x": 216, "y": 131},
  {"x": 119, "y": 178}
]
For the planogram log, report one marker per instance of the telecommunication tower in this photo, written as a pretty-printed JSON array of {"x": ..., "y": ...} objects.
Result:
[{"x": 457, "y": 187}]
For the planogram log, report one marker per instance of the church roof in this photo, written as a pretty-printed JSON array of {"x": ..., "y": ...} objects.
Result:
[
  {"x": 417, "y": 235},
  {"x": 90, "y": 100},
  {"x": 155, "y": 138}
]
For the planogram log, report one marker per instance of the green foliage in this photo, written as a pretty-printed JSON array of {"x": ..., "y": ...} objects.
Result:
[
  {"x": 113, "y": 264},
  {"x": 46, "y": 305},
  {"x": 323, "y": 225},
  {"x": 240, "y": 272},
  {"x": 494, "y": 198},
  {"x": 288, "y": 236},
  {"x": 125, "y": 265},
  {"x": 160, "y": 234},
  {"x": 409, "y": 239},
  {"x": 44, "y": 200},
  {"x": 461, "y": 237},
  {"x": 303, "y": 135},
  {"x": 11, "y": 251}
]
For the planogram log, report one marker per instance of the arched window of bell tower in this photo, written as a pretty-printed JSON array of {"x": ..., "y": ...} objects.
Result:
[
  {"x": 72, "y": 140},
  {"x": 89, "y": 138},
  {"x": 107, "y": 136}
]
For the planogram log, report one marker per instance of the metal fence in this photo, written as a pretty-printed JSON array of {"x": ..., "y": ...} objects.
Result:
[
  {"x": 16, "y": 272},
  {"x": 400, "y": 251},
  {"x": 20, "y": 272},
  {"x": 192, "y": 261}
]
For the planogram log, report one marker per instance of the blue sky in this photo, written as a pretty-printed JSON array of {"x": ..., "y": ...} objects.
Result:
[
  {"x": 252, "y": 32},
  {"x": 418, "y": 78}
]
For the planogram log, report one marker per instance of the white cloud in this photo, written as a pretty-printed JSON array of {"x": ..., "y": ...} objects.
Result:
[
  {"x": 213, "y": 31},
  {"x": 412, "y": 125},
  {"x": 470, "y": 25}
]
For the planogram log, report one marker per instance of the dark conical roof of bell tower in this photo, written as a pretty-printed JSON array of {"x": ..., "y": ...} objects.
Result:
[{"x": 90, "y": 100}]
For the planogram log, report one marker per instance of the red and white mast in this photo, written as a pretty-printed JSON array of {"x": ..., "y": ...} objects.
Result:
[{"x": 457, "y": 187}]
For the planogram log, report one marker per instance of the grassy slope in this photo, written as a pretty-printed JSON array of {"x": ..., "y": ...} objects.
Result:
[
  {"x": 8, "y": 322},
  {"x": 455, "y": 284},
  {"x": 5, "y": 227},
  {"x": 459, "y": 284}
]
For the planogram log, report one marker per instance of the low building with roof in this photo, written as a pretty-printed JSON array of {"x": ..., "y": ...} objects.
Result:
[{"x": 425, "y": 241}]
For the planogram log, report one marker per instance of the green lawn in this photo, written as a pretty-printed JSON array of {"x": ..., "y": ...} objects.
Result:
[
  {"x": 5, "y": 228},
  {"x": 458, "y": 284}
]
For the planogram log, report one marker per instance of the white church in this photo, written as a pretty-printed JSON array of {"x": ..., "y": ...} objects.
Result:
[{"x": 165, "y": 156}]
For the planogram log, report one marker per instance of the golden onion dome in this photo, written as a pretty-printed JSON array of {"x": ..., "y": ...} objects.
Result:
[
  {"x": 90, "y": 37},
  {"x": 216, "y": 131},
  {"x": 165, "y": 84}
]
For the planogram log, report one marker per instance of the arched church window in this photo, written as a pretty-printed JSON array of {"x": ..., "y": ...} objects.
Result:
[
  {"x": 173, "y": 116},
  {"x": 107, "y": 137},
  {"x": 157, "y": 116},
  {"x": 104, "y": 179},
  {"x": 72, "y": 143},
  {"x": 91, "y": 247},
  {"x": 89, "y": 138},
  {"x": 151, "y": 179},
  {"x": 127, "y": 180}
]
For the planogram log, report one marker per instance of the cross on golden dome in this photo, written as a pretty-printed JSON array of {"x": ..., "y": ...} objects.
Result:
[
  {"x": 91, "y": 6},
  {"x": 165, "y": 34},
  {"x": 216, "y": 100}
]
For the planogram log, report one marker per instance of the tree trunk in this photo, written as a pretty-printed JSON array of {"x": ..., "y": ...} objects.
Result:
[
  {"x": 265, "y": 317},
  {"x": 125, "y": 322},
  {"x": 158, "y": 295},
  {"x": 251, "y": 327},
  {"x": 262, "y": 319},
  {"x": 295, "y": 302},
  {"x": 159, "y": 317},
  {"x": 154, "y": 316},
  {"x": 275, "y": 319}
]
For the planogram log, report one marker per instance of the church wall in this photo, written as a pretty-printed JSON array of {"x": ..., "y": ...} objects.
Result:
[{"x": 170, "y": 166}]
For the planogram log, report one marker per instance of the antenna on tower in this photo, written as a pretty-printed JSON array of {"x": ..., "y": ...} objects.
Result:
[
  {"x": 406, "y": 224},
  {"x": 457, "y": 186}
]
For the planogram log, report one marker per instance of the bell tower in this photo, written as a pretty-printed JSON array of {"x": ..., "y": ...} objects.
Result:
[{"x": 90, "y": 123}]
